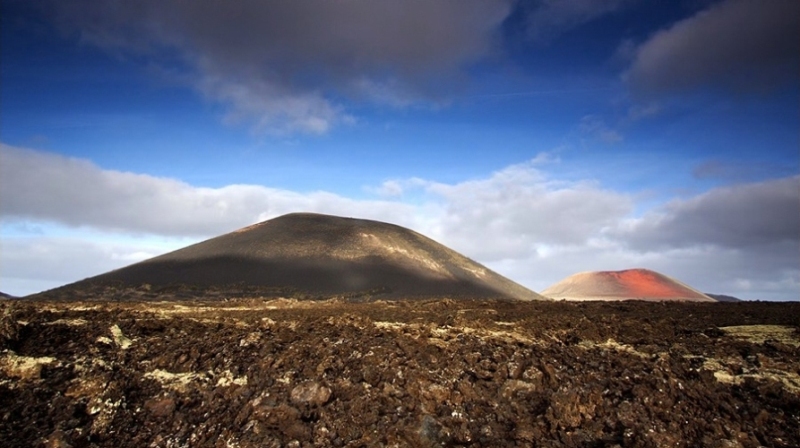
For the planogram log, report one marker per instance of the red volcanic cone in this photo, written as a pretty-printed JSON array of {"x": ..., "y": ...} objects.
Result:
[{"x": 631, "y": 284}]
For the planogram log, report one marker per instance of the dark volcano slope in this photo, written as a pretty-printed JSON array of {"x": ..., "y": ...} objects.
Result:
[
  {"x": 723, "y": 297},
  {"x": 323, "y": 256}
]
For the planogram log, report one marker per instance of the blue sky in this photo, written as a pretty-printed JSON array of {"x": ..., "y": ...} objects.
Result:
[{"x": 541, "y": 138}]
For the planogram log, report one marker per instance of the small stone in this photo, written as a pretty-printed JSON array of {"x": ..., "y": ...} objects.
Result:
[
  {"x": 514, "y": 388},
  {"x": 160, "y": 407},
  {"x": 430, "y": 432},
  {"x": 310, "y": 392},
  {"x": 533, "y": 375},
  {"x": 57, "y": 440},
  {"x": 120, "y": 339},
  {"x": 9, "y": 329}
]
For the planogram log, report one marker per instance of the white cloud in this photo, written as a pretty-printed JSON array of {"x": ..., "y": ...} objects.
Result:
[
  {"x": 741, "y": 240},
  {"x": 278, "y": 64},
  {"x": 524, "y": 211},
  {"x": 747, "y": 45},
  {"x": 640, "y": 112},
  {"x": 268, "y": 108},
  {"x": 49, "y": 187},
  {"x": 389, "y": 188},
  {"x": 597, "y": 128},
  {"x": 547, "y": 19},
  {"x": 53, "y": 256},
  {"x": 32, "y": 263}
]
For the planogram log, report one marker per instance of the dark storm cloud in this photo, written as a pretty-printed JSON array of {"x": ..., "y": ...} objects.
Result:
[
  {"x": 279, "y": 62},
  {"x": 739, "y": 172},
  {"x": 746, "y": 45},
  {"x": 736, "y": 217}
]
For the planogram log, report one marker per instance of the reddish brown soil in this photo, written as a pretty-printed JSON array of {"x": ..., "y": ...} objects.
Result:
[
  {"x": 641, "y": 283},
  {"x": 627, "y": 284},
  {"x": 256, "y": 373}
]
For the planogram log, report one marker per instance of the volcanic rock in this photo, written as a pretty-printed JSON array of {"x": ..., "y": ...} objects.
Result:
[
  {"x": 311, "y": 393},
  {"x": 631, "y": 284},
  {"x": 319, "y": 255},
  {"x": 482, "y": 373}
]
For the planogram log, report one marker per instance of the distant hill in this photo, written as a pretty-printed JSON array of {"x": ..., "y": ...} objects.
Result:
[
  {"x": 319, "y": 255},
  {"x": 723, "y": 298},
  {"x": 631, "y": 284},
  {"x": 5, "y": 296}
]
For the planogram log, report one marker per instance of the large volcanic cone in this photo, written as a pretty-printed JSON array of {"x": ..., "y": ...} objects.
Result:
[
  {"x": 323, "y": 256},
  {"x": 631, "y": 284}
]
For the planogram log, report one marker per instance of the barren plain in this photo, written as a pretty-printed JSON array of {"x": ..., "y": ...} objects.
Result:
[{"x": 260, "y": 372}]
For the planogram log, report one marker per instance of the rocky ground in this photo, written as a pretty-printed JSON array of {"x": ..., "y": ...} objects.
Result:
[{"x": 263, "y": 373}]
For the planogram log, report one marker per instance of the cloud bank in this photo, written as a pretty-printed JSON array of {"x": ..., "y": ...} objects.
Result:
[
  {"x": 74, "y": 192},
  {"x": 745, "y": 45},
  {"x": 736, "y": 217},
  {"x": 740, "y": 240},
  {"x": 284, "y": 66}
]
